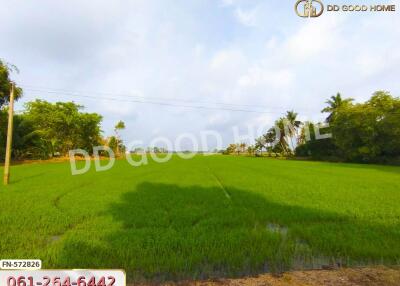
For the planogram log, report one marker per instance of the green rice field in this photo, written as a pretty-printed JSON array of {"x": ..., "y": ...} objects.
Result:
[{"x": 210, "y": 216}]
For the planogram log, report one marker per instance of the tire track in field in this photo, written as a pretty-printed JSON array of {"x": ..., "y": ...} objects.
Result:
[
  {"x": 56, "y": 203},
  {"x": 72, "y": 226},
  {"x": 57, "y": 199},
  {"x": 220, "y": 184}
]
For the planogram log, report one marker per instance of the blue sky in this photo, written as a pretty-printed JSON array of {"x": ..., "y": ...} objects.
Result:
[{"x": 243, "y": 52}]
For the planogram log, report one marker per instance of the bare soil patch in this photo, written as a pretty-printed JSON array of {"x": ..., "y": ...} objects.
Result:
[{"x": 369, "y": 276}]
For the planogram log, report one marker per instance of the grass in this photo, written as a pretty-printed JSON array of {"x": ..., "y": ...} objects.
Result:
[{"x": 204, "y": 217}]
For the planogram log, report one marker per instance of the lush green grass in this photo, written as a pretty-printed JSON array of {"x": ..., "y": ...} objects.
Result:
[{"x": 207, "y": 216}]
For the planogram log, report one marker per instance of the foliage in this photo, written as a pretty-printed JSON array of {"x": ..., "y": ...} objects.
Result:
[
  {"x": 63, "y": 127},
  {"x": 280, "y": 138},
  {"x": 45, "y": 129},
  {"x": 5, "y": 84},
  {"x": 239, "y": 148},
  {"x": 119, "y": 126},
  {"x": 362, "y": 132},
  {"x": 26, "y": 142},
  {"x": 251, "y": 150},
  {"x": 116, "y": 144},
  {"x": 334, "y": 103},
  {"x": 370, "y": 131},
  {"x": 309, "y": 146},
  {"x": 116, "y": 141},
  {"x": 231, "y": 149}
]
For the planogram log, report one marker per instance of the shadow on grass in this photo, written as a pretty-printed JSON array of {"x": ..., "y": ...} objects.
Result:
[
  {"x": 390, "y": 168},
  {"x": 173, "y": 232},
  {"x": 395, "y": 169}
]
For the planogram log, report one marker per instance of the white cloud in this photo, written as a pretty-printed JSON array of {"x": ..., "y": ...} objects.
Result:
[
  {"x": 370, "y": 64},
  {"x": 247, "y": 18},
  {"x": 267, "y": 78},
  {"x": 115, "y": 108},
  {"x": 313, "y": 38},
  {"x": 227, "y": 2},
  {"x": 226, "y": 59},
  {"x": 197, "y": 51}
]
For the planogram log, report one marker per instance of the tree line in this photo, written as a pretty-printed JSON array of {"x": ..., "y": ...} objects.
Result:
[
  {"x": 358, "y": 132},
  {"x": 45, "y": 130}
]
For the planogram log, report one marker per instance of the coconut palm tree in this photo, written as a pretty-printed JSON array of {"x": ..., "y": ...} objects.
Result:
[
  {"x": 304, "y": 134},
  {"x": 293, "y": 126},
  {"x": 119, "y": 126},
  {"x": 334, "y": 103},
  {"x": 282, "y": 141}
]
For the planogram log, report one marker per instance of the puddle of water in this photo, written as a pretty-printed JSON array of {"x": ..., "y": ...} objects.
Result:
[
  {"x": 304, "y": 260},
  {"x": 303, "y": 257},
  {"x": 54, "y": 238},
  {"x": 308, "y": 263},
  {"x": 277, "y": 228}
]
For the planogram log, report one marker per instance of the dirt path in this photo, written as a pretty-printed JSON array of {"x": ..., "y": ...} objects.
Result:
[{"x": 376, "y": 276}]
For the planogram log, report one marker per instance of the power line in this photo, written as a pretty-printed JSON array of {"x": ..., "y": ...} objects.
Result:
[
  {"x": 158, "y": 103},
  {"x": 140, "y": 96},
  {"x": 130, "y": 95},
  {"x": 144, "y": 100}
]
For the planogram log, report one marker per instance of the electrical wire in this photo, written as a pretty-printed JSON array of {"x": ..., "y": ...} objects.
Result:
[
  {"x": 63, "y": 91},
  {"x": 143, "y": 101},
  {"x": 162, "y": 101}
]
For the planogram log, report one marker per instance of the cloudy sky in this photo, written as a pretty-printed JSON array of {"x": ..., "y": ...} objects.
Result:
[{"x": 244, "y": 62}]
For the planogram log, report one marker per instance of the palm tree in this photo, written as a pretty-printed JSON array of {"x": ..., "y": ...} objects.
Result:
[
  {"x": 280, "y": 124},
  {"x": 293, "y": 125},
  {"x": 119, "y": 126},
  {"x": 305, "y": 135},
  {"x": 334, "y": 103}
]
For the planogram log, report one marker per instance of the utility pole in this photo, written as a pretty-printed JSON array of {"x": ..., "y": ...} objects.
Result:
[{"x": 9, "y": 136}]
